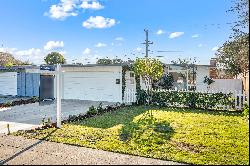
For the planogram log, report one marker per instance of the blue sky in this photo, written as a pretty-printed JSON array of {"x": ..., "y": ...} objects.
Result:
[{"x": 84, "y": 30}]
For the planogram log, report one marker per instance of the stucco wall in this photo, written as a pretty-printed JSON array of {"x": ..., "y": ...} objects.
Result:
[{"x": 202, "y": 71}]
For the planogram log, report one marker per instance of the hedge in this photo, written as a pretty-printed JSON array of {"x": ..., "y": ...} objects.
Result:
[{"x": 213, "y": 101}]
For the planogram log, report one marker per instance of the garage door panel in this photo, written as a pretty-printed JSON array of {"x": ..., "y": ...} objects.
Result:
[{"x": 97, "y": 86}]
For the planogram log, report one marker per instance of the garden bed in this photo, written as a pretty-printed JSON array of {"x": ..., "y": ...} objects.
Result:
[
  {"x": 183, "y": 135},
  {"x": 9, "y": 101}
]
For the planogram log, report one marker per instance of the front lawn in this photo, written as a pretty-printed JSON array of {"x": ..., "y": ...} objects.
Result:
[{"x": 188, "y": 136}]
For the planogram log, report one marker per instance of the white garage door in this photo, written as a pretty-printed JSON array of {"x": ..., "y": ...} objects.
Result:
[
  {"x": 95, "y": 86},
  {"x": 8, "y": 83}
]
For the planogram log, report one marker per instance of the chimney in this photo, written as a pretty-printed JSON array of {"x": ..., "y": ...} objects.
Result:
[
  {"x": 212, "y": 68},
  {"x": 213, "y": 62}
]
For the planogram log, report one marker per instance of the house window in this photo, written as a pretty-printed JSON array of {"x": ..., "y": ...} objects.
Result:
[
  {"x": 117, "y": 81},
  {"x": 132, "y": 75}
]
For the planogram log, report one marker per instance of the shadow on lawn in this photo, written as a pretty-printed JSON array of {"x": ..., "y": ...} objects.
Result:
[
  {"x": 145, "y": 124},
  {"x": 126, "y": 115},
  {"x": 131, "y": 128},
  {"x": 147, "y": 130}
]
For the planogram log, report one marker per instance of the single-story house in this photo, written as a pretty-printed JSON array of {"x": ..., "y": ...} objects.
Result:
[{"x": 84, "y": 82}]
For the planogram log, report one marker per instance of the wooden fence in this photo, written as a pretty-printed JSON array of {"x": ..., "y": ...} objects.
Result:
[{"x": 239, "y": 97}]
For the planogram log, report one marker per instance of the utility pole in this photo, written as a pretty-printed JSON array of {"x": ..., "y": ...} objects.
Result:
[{"x": 147, "y": 42}]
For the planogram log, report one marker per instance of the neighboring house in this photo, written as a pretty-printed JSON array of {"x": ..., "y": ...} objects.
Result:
[
  {"x": 84, "y": 82},
  {"x": 186, "y": 78},
  {"x": 221, "y": 82}
]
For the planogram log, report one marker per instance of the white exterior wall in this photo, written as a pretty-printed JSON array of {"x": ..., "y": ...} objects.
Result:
[
  {"x": 97, "y": 83},
  {"x": 8, "y": 83},
  {"x": 202, "y": 71},
  {"x": 130, "y": 81},
  {"x": 224, "y": 85}
]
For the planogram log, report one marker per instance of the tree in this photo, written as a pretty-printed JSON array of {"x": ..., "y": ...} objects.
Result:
[
  {"x": 104, "y": 61},
  {"x": 8, "y": 60},
  {"x": 167, "y": 81},
  {"x": 241, "y": 25},
  {"x": 233, "y": 55},
  {"x": 117, "y": 61},
  {"x": 149, "y": 68},
  {"x": 54, "y": 58}
]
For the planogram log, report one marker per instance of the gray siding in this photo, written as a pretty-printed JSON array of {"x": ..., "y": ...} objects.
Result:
[{"x": 28, "y": 84}]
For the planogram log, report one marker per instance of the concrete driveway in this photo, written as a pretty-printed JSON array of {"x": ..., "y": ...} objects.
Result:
[{"x": 30, "y": 115}]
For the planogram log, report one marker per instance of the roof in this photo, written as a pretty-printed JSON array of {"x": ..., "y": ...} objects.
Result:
[
  {"x": 18, "y": 68},
  {"x": 184, "y": 65}
]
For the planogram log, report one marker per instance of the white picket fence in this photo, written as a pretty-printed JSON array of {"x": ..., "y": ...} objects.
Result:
[
  {"x": 239, "y": 97},
  {"x": 129, "y": 96}
]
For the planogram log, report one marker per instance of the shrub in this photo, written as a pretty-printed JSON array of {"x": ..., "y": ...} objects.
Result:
[
  {"x": 246, "y": 110},
  {"x": 189, "y": 99},
  {"x": 141, "y": 97},
  {"x": 92, "y": 110}
]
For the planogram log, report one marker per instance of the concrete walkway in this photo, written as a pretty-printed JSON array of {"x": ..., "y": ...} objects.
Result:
[
  {"x": 18, "y": 150},
  {"x": 29, "y": 116}
]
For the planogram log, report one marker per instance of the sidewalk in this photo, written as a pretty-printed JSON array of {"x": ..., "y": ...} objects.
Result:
[{"x": 19, "y": 150}]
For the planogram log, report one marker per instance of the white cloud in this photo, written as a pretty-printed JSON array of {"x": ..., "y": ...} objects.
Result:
[
  {"x": 175, "y": 34},
  {"x": 119, "y": 39},
  {"x": 50, "y": 45},
  {"x": 67, "y": 8},
  {"x": 160, "y": 32},
  {"x": 195, "y": 36},
  {"x": 95, "y": 5},
  {"x": 200, "y": 45},
  {"x": 215, "y": 48},
  {"x": 62, "y": 52},
  {"x": 138, "y": 49},
  {"x": 8, "y": 50},
  {"x": 34, "y": 55},
  {"x": 100, "y": 45},
  {"x": 63, "y": 9},
  {"x": 86, "y": 51},
  {"x": 98, "y": 22},
  {"x": 32, "y": 51}
]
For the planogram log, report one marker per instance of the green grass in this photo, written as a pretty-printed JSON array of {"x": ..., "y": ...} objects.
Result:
[{"x": 188, "y": 136}]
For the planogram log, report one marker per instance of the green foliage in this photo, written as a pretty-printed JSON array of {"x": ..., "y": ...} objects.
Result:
[
  {"x": 54, "y": 58},
  {"x": 46, "y": 122},
  {"x": 246, "y": 110},
  {"x": 92, "y": 110},
  {"x": 141, "y": 97},
  {"x": 199, "y": 100},
  {"x": 233, "y": 56},
  {"x": 208, "y": 80},
  {"x": 185, "y": 62},
  {"x": 104, "y": 61},
  {"x": 182, "y": 135},
  {"x": 148, "y": 68},
  {"x": 241, "y": 25},
  {"x": 167, "y": 81},
  {"x": 8, "y": 60},
  {"x": 117, "y": 61},
  {"x": 125, "y": 68}
]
